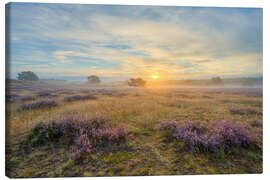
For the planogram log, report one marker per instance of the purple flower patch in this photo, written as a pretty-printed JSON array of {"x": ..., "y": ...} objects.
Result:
[
  {"x": 83, "y": 134},
  {"x": 79, "y": 97},
  {"x": 211, "y": 137},
  {"x": 38, "y": 105}
]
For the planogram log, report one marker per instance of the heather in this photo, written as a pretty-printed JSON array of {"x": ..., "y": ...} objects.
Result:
[
  {"x": 132, "y": 134},
  {"x": 11, "y": 97},
  {"x": 256, "y": 123},
  {"x": 44, "y": 94},
  {"x": 27, "y": 98},
  {"x": 38, "y": 104},
  {"x": 78, "y": 98},
  {"x": 82, "y": 134},
  {"x": 245, "y": 111},
  {"x": 210, "y": 137}
]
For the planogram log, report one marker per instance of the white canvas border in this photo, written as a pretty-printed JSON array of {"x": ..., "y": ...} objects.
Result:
[{"x": 209, "y": 3}]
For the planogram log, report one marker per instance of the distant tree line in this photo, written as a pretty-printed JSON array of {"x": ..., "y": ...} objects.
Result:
[{"x": 138, "y": 82}]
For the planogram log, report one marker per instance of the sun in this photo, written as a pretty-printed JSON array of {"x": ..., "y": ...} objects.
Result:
[{"x": 154, "y": 76}]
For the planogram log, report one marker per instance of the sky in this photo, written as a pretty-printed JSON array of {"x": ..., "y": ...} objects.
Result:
[{"x": 119, "y": 42}]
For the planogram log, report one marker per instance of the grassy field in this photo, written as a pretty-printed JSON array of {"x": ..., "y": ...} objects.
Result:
[{"x": 147, "y": 151}]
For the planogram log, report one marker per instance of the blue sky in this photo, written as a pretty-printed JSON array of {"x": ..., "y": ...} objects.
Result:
[{"x": 118, "y": 42}]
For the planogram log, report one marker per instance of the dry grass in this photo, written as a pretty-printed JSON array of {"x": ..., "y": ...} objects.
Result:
[{"x": 141, "y": 109}]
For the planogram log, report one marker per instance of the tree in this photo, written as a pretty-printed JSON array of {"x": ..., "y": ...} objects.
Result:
[
  {"x": 216, "y": 80},
  {"x": 93, "y": 79},
  {"x": 27, "y": 76},
  {"x": 136, "y": 82}
]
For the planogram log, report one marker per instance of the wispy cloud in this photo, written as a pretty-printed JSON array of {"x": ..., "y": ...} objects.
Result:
[{"x": 126, "y": 41}]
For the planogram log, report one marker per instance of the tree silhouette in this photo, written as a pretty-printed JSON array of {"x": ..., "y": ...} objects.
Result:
[
  {"x": 136, "y": 82},
  {"x": 27, "y": 75},
  {"x": 93, "y": 79},
  {"x": 216, "y": 80}
]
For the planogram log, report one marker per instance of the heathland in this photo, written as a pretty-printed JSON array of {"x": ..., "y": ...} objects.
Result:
[{"x": 63, "y": 129}]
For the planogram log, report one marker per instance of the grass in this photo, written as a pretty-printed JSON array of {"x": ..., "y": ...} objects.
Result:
[{"x": 148, "y": 152}]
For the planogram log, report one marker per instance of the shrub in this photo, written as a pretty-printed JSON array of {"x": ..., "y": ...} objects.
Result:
[
  {"x": 233, "y": 135},
  {"x": 43, "y": 133},
  {"x": 27, "y": 98},
  {"x": 84, "y": 91},
  {"x": 93, "y": 79},
  {"x": 45, "y": 94},
  {"x": 11, "y": 97},
  {"x": 211, "y": 137},
  {"x": 136, "y": 82},
  {"x": 256, "y": 123},
  {"x": 65, "y": 92},
  {"x": 83, "y": 134},
  {"x": 216, "y": 80},
  {"x": 38, "y": 105},
  {"x": 120, "y": 95},
  {"x": 27, "y": 75},
  {"x": 169, "y": 125},
  {"x": 79, "y": 97},
  {"x": 244, "y": 111}
]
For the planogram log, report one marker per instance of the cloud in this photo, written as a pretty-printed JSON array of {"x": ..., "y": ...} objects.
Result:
[{"x": 135, "y": 40}]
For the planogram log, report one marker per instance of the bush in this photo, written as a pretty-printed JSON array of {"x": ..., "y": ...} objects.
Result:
[
  {"x": 27, "y": 75},
  {"x": 83, "y": 134},
  {"x": 93, "y": 79},
  {"x": 44, "y": 94},
  {"x": 170, "y": 125},
  {"x": 27, "y": 98},
  {"x": 244, "y": 111},
  {"x": 79, "y": 97},
  {"x": 136, "y": 82},
  {"x": 216, "y": 80},
  {"x": 211, "y": 137},
  {"x": 38, "y": 105},
  {"x": 11, "y": 97},
  {"x": 256, "y": 123}
]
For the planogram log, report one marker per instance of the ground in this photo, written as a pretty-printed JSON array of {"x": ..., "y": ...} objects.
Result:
[{"x": 142, "y": 109}]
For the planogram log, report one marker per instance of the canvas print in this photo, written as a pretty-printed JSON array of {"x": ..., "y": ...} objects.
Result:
[{"x": 125, "y": 90}]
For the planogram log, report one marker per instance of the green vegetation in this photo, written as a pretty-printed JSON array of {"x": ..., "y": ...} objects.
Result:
[
  {"x": 27, "y": 75},
  {"x": 93, "y": 79}
]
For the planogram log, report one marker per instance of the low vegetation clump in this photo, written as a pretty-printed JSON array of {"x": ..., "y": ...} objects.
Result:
[
  {"x": 139, "y": 82},
  {"x": 210, "y": 137},
  {"x": 38, "y": 105},
  {"x": 27, "y": 98},
  {"x": 93, "y": 79},
  {"x": 45, "y": 94},
  {"x": 256, "y": 123},
  {"x": 83, "y": 134},
  {"x": 245, "y": 111},
  {"x": 11, "y": 97},
  {"x": 79, "y": 97}
]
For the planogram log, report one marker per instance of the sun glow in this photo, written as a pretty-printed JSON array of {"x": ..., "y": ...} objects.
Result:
[{"x": 154, "y": 76}]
